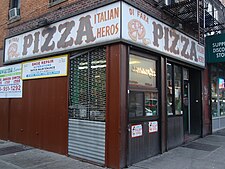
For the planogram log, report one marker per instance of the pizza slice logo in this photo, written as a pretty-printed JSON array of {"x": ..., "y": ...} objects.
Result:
[
  {"x": 13, "y": 51},
  {"x": 136, "y": 31}
]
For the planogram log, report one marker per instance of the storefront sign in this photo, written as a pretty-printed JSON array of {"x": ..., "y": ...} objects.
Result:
[
  {"x": 146, "y": 31},
  {"x": 215, "y": 48},
  {"x": 10, "y": 82},
  {"x": 44, "y": 68},
  {"x": 103, "y": 25},
  {"x": 136, "y": 130},
  {"x": 93, "y": 27},
  {"x": 153, "y": 126}
]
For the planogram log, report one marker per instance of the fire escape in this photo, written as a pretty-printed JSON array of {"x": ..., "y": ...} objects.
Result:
[{"x": 192, "y": 13}]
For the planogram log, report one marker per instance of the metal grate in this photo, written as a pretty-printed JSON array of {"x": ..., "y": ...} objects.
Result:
[
  {"x": 201, "y": 146},
  {"x": 13, "y": 149},
  {"x": 88, "y": 85},
  {"x": 87, "y": 105}
]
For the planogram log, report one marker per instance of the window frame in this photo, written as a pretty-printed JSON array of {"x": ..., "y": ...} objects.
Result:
[
  {"x": 173, "y": 90},
  {"x": 55, "y": 2},
  {"x": 144, "y": 89}
]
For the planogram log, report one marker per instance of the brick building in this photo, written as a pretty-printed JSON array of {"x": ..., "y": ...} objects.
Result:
[{"x": 111, "y": 82}]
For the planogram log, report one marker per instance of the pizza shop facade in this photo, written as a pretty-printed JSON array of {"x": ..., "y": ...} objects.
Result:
[{"x": 112, "y": 86}]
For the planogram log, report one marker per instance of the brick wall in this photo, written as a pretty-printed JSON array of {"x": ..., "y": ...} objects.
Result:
[
  {"x": 4, "y": 4},
  {"x": 35, "y": 11}
]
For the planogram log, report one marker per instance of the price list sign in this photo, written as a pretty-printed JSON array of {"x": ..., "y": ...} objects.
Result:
[{"x": 10, "y": 81}]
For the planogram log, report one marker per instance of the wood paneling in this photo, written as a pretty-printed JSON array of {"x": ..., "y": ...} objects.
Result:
[
  {"x": 175, "y": 131},
  {"x": 4, "y": 109},
  {"x": 207, "y": 127},
  {"x": 40, "y": 118},
  {"x": 116, "y": 117}
]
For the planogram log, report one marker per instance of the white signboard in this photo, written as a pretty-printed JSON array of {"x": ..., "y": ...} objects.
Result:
[
  {"x": 153, "y": 126},
  {"x": 10, "y": 82},
  {"x": 97, "y": 26},
  {"x": 136, "y": 130},
  {"x": 44, "y": 68},
  {"x": 142, "y": 29}
]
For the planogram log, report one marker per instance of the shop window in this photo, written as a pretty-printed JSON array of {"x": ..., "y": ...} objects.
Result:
[
  {"x": 88, "y": 86},
  {"x": 143, "y": 95},
  {"x": 217, "y": 90},
  {"x": 169, "y": 89},
  {"x": 174, "y": 88},
  {"x": 143, "y": 104},
  {"x": 177, "y": 85}
]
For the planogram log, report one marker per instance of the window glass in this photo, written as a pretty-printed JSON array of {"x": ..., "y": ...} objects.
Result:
[
  {"x": 169, "y": 90},
  {"x": 88, "y": 86},
  {"x": 142, "y": 72},
  {"x": 214, "y": 91},
  {"x": 15, "y": 4},
  {"x": 217, "y": 90},
  {"x": 151, "y": 104},
  {"x": 136, "y": 106},
  {"x": 209, "y": 9},
  {"x": 177, "y": 85},
  {"x": 143, "y": 95}
]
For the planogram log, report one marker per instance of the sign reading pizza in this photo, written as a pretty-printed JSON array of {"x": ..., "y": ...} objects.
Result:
[
  {"x": 142, "y": 29},
  {"x": 90, "y": 28}
]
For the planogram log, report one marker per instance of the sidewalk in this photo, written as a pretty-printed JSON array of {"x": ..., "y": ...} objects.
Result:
[
  {"x": 17, "y": 156},
  {"x": 204, "y": 153}
]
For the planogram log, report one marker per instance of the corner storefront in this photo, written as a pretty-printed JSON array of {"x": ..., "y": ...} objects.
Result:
[{"x": 113, "y": 86}]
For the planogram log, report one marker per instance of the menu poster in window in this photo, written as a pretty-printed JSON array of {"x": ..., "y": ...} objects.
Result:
[
  {"x": 136, "y": 130},
  {"x": 10, "y": 81},
  {"x": 153, "y": 126}
]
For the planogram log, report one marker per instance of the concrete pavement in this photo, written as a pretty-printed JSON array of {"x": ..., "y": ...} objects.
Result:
[
  {"x": 17, "y": 156},
  {"x": 204, "y": 153}
]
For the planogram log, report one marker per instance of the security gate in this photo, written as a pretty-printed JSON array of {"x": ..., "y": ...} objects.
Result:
[{"x": 87, "y": 105}]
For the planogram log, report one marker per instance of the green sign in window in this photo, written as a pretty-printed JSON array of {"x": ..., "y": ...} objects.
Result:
[{"x": 215, "y": 48}]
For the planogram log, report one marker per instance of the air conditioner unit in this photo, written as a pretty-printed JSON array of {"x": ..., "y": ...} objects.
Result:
[{"x": 13, "y": 13}]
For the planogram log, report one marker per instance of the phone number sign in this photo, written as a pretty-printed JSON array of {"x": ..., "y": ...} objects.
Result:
[{"x": 10, "y": 81}]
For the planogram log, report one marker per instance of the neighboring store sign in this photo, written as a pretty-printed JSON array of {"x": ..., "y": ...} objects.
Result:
[
  {"x": 148, "y": 32},
  {"x": 10, "y": 81},
  {"x": 136, "y": 130},
  {"x": 215, "y": 48},
  {"x": 90, "y": 28},
  {"x": 153, "y": 126},
  {"x": 44, "y": 68}
]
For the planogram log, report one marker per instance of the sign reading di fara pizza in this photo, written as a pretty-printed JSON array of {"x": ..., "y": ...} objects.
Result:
[
  {"x": 90, "y": 28},
  {"x": 142, "y": 29},
  {"x": 45, "y": 68},
  {"x": 11, "y": 84}
]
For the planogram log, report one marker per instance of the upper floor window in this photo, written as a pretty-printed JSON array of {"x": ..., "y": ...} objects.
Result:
[
  {"x": 15, "y": 4},
  {"x": 212, "y": 10},
  {"x": 14, "y": 11},
  {"x": 169, "y": 2},
  {"x": 55, "y": 2}
]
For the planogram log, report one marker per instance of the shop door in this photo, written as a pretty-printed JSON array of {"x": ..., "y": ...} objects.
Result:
[
  {"x": 186, "y": 107},
  {"x": 143, "y": 128}
]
